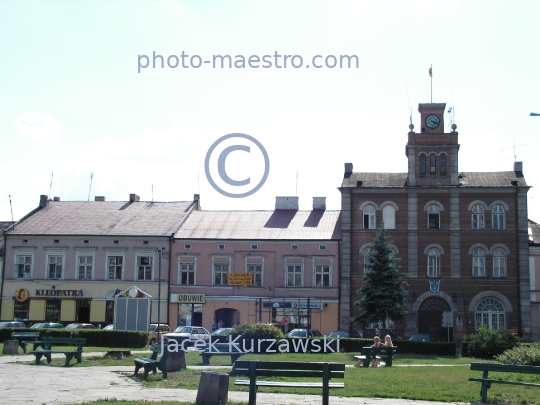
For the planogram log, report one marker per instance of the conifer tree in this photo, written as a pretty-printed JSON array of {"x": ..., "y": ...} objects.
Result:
[{"x": 383, "y": 295}]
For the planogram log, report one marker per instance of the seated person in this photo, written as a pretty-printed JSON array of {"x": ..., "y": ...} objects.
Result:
[
  {"x": 376, "y": 343},
  {"x": 387, "y": 343}
]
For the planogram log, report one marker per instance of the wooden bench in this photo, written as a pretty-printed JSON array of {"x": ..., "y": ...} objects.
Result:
[
  {"x": 152, "y": 363},
  {"x": 500, "y": 368},
  {"x": 26, "y": 338},
  {"x": 369, "y": 353},
  {"x": 48, "y": 342},
  {"x": 223, "y": 350},
  {"x": 254, "y": 369}
]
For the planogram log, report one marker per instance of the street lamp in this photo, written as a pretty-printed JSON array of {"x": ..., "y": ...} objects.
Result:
[{"x": 160, "y": 252}]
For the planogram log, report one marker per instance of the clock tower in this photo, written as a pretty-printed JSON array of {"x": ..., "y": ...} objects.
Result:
[{"x": 432, "y": 154}]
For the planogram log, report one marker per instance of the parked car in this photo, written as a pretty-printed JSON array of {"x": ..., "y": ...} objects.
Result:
[
  {"x": 109, "y": 327},
  {"x": 304, "y": 333},
  {"x": 80, "y": 326},
  {"x": 193, "y": 333},
  {"x": 47, "y": 325},
  {"x": 221, "y": 331},
  {"x": 343, "y": 334},
  {"x": 12, "y": 324},
  {"x": 421, "y": 337},
  {"x": 154, "y": 333}
]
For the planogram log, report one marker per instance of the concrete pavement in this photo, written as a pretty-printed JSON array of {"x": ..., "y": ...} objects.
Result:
[{"x": 45, "y": 385}]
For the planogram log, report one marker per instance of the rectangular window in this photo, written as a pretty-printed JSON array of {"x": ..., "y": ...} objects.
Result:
[
  {"x": 322, "y": 247},
  {"x": 369, "y": 221},
  {"x": 116, "y": 267},
  {"x": 322, "y": 276},
  {"x": 294, "y": 275},
  {"x": 434, "y": 266},
  {"x": 294, "y": 247},
  {"x": 85, "y": 267},
  {"x": 23, "y": 266},
  {"x": 221, "y": 247},
  {"x": 499, "y": 266},
  {"x": 434, "y": 221},
  {"x": 187, "y": 245},
  {"x": 52, "y": 310},
  {"x": 144, "y": 268},
  {"x": 55, "y": 265},
  {"x": 187, "y": 273},
  {"x": 254, "y": 247},
  {"x": 257, "y": 271},
  {"x": 479, "y": 266},
  {"x": 221, "y": 273}
]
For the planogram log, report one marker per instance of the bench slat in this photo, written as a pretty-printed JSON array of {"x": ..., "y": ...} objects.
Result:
[
  {"x": 289, "y": 384},
  {"x": 505, "y": 368},
  {"x": 503, "y": 382}
]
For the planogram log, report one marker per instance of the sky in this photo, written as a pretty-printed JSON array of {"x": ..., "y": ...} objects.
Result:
[{"x": 81, "y": 116}]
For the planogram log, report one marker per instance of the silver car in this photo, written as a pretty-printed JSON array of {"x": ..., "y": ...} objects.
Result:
[{"x": 193, "y": 333}]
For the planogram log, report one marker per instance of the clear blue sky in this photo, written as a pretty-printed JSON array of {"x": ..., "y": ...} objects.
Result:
[{"x": 72, "y": 101}]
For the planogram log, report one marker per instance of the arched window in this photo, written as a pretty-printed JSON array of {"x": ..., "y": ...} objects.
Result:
[
  {"x": 499, "y": 263},
  {"x": 369, "y": 217},
  {"x": 389, "y": 217},
  {"x": 366, "y": 254},
  {"x": 478, "y": 217},
  {"x": 443, "y": 163},
  {"x": 497, "y": 217},
  {"x": 479, "y": 263},
  {"x": 434, "y": 217},
  {"x": 422, "y": 164},
  {"x": 434, "y": 263},
  {"x": 433, "y": 163},
  {"x": 490, "y": 314}
]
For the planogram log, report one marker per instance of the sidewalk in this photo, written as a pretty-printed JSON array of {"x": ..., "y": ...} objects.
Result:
[{"x": 45, "y": 385}]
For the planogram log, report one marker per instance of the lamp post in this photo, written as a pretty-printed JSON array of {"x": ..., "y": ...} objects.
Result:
[{"x": 160, "y": 252}]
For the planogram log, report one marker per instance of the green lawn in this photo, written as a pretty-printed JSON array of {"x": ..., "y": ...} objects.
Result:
[{"x": 428, "y": 378}]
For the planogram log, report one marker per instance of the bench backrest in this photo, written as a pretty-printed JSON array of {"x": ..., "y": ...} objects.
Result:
[
  {"x": 221, "y": 348},
  {"x": 380, "y": 350},
  {"x": 505, "y": 368},
  {"x": 25, "y": 334},
  {"x": 156, "y": 350},
  {"x": 49, "y": 341},
  {"x": 288, "y": 369}
]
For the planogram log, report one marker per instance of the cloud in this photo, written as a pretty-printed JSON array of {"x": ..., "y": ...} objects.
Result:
[{"x": 37, "y": 125}]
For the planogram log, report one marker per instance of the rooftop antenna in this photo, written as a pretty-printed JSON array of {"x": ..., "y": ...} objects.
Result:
[
  {"x": 152, "y": 193},
  {"x": 296, "y": 184},
  {"x": 514, "y": 147},
  {"x": 50, "y": 187},
  {"x": 431, "y": 76},
  {"x": 90, "y": 189},
  {"x": 11, "y": 207}
]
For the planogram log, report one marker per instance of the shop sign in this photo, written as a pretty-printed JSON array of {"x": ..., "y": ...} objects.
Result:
[
  {"x": 59, "y": 293},
  {"x": 189, "y": 298},
  {"x": 240, "y": 279},
  {"x": 21, "y": 294},
  {"x": 293, "y": 305}
]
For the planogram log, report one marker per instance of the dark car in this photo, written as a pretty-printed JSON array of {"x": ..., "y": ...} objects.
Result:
[
  {"x": 221, "y": 331},
  {"x": 47, "y": 325},
  {"x": 420, "y": 337},
  {"x": 342, "y": 334},
  {"x": 12, "y": 324},
  {"x": 80, "y": 326}
]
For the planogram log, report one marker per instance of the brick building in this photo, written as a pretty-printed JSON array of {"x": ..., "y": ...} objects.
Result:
[{"x": 462, "y": 237}]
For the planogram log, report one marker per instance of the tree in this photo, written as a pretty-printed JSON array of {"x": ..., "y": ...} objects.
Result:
[{"x": 383, "y": 295}]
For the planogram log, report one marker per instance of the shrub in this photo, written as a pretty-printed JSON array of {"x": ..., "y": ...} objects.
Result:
[
  {"x": 256, "y": 331},
  {"x": 524, "y": 354},
  {"x": 488, "y": 343}
]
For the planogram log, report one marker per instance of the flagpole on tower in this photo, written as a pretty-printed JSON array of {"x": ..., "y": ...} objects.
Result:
[{"x": 431, "y": 77}]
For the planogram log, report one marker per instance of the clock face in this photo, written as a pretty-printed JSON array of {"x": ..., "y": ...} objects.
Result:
[{"x": 433, "y": 121}]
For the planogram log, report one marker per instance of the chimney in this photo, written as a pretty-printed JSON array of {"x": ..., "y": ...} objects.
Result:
[
  {"x": 197, "y": 201},
  {"x": 518, "y": 169},
  {"x": 43, "y": 200},
  {"x": 56, "y": 199},
  {"x": 319, "y": 203},
  {"x": 348, "y": 170},
  {"x": 286, "y": 203},
  {"x": 99, "y": 198},
  {"x": 134, "y": 198}
]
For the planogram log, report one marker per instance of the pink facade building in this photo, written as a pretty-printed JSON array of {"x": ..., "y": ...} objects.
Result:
[{"x": 278, "y": 267}]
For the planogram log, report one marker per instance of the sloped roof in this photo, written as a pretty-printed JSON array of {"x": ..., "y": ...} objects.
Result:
[
  {"x": 119, "y": 218},
  {"x": 262, "y": 225},
  {"x": 534, "y": 233},
  {"x": 3, "y": 226},
  {"x": 466, "y": 179}
]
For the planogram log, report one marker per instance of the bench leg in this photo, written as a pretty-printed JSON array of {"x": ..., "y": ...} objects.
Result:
[
  {"x": 206, "y": 359},
  {"x": 367, "y": 361},
  {"x": 38, "y": 358},
  {"x": 483, "y": 391},
  {"x": 234, "y": 357},
  {"x": 69, "y": 356},
  {"x": 23, "y": 345},
  {"x": 137, "y": 368},
  {"x": 48, "y": 357}
]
